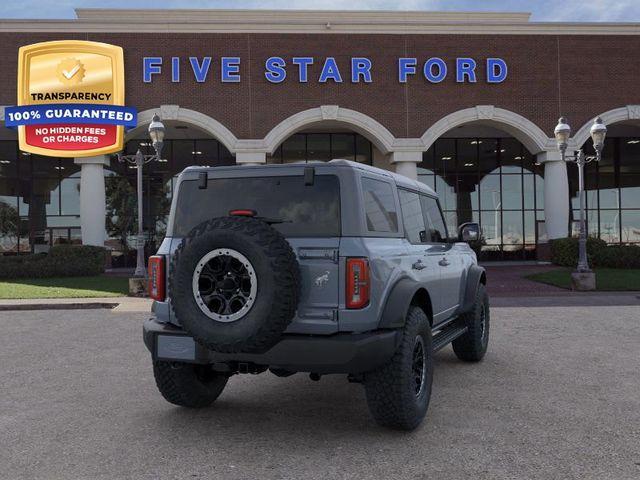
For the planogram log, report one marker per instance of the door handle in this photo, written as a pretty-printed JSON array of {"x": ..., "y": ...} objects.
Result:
[
  {"x": 444, "y": 262},
  {"x": 418, "y": 265}
]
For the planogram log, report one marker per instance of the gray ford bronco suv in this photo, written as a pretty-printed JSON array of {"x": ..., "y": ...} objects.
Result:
[{"x": 322, "y": 268}]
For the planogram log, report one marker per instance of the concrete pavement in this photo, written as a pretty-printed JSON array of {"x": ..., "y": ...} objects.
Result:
[{"x": 557, "y": 396}]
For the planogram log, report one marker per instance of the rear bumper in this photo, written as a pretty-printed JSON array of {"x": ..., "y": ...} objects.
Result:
[{"x": 339, "y": 353}]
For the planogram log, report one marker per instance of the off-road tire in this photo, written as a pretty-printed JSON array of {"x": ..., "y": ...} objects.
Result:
[
  {"x": 278, "y": 283},
  {"x": 472, "y": 346},
  {"x": 390, "y": 390},
  {"x": 188, "y": 385}
]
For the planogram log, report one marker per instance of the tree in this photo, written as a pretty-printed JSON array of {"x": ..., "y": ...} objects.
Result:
[{"x": 9, "y": 221}]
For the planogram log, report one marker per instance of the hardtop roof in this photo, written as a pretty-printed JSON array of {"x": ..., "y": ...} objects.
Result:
[{"x": 399, "y": 180}]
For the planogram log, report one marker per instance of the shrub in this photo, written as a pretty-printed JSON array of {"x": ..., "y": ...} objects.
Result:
[
  {"x": 564, "y": 252},
  {"x": 61, "y": 261}
]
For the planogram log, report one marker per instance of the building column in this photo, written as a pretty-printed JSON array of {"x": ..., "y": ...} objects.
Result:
[
  {"x": 406, "y": 163},
  {"x": 251, "y": 158},
  {"x": 93, "y": 208},
  {"x": 556, "y": 194}
]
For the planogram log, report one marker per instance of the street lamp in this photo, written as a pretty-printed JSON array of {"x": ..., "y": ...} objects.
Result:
[
  {"x": 156, "y": 133},
  {"x": 562, "y": 133}
]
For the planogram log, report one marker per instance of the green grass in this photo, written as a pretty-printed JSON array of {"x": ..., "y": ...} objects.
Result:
[
  {"x": 70, "y": 287},
  {"x": 607, "y": 279}
]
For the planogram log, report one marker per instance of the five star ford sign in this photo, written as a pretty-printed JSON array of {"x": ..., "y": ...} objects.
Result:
[{"x": 70, "y": 99}]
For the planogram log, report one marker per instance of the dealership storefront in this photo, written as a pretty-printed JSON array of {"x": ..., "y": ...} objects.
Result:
[{"x": 465, "y": 103}]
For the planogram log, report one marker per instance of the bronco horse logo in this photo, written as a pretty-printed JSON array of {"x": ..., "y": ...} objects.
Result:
[{"x": 322, "y": 279}]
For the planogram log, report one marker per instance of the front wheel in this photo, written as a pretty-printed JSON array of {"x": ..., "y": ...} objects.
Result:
[
  {"x": 188, "y": 385},
  {"x": 398, "y": 393}
]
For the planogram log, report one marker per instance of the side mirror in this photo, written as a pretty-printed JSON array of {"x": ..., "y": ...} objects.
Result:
[{"x": 469, "y": 232}]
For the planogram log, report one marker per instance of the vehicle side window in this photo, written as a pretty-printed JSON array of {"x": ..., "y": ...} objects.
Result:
[
  {"x": 412, "y": 216},
  {"x": 436, "y": 229},
  {"x": 380, "y": 206}
]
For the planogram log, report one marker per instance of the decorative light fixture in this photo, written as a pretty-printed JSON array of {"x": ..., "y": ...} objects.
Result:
[
  {"x": 156, "y": 133},
  {"x": 562, "y": 133}
]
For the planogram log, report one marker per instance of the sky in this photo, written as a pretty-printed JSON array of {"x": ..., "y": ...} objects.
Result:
[{"x": 542, "y": 10}]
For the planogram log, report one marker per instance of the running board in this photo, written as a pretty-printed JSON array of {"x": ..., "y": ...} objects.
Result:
[{"x": 447, "y": 335}]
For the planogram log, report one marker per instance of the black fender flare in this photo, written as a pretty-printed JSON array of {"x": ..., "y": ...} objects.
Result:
[
  {"x": 396, "y": 307},
  {"x": 474, "y": 278}
]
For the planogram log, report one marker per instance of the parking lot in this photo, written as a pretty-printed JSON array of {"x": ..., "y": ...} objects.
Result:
[{"x": 558, "y": 396}]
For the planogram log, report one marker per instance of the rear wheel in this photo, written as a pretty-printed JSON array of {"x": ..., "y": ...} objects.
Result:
[
  {"x": 398, "y": 393},
  {"x": 188, "y": 385}
]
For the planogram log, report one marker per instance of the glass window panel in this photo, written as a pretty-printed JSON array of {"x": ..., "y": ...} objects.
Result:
[
  {"x": 511, "y": 155},
  {"x": 8, "y": 158},
  {"x": 294, "y": 149},
  {"x": 467, "y": 192},
  {"x": 630, "y": 190},
  {"x": 491, "y": 228},
  {"x": 380, "y": 209},
  {"x": 467, "y": 154},
  {"x": 70, "y": 196},
  {"x": 446, "y": 193},
  {"x": 512, "y": 192},
  {"x": 363, "y": 150},
  {"x": 488, "y": 156},
  {"x": 45, "y": 197},
  {"x": 45, "y": 166},
  {"x": 318, "y": 147},
  {"x": 412, "y": 217},
  {"x": 60, "y": 236},
  {"x": 445, "y": 156},
  {"x": 226, "y": 157},
  {"x": 610, "y": 226},
  {"x": 631, "y": 226},
  {"x": 75, "y": 234},
  {"x": 629, "y": 155},
  {"x": 59, "y": 221},
  {"x": 608, "y": 196},
  {"x": 425, "y": 177},
  {"x": 206, "y": 152},
  {"x": 343, "y": 145},
  {"x": 529, "y": 163},
  {"x": 465, "y": 216},
  {"x": 24, "y": 165},
  {"x": 528, "y": 192},
  {"x": 490, "y": 198},
  {"x": 181, "y": 156},
  {"x": 512, "y": 228},
  {"x": 69, "y": 168},
  {"x": 428, "y": 159},
  {"x": 539, "y": 192},
  {"x": 276, "y": 157},
  {"x": 530, "y": 227}
]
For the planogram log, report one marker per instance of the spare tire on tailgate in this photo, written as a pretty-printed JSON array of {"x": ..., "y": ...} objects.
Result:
[{"x": 235, "y": 284}]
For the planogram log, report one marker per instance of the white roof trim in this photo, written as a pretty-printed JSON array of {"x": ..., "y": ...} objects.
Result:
[{"x": 311, "y": 21}]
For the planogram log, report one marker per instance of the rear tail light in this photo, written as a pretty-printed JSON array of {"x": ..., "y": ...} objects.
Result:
[
  {"x": 357, "y": 282},
  {"x": 242, "y": 213},
  {"x": 156, "y": 277}
]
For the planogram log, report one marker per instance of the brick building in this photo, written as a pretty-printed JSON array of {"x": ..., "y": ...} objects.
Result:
[{"x": 465, "y": 102}]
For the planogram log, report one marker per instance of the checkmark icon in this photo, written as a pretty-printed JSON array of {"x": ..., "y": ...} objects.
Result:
[{"x": 71, "y": 73}]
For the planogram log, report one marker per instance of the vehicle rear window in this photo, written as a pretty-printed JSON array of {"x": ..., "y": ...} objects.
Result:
[{"x": 304, "y": 210}]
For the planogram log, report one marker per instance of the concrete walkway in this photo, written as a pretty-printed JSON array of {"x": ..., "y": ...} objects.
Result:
[{"x": 118, "y": 304}]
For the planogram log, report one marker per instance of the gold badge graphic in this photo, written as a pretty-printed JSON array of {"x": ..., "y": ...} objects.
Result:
[{"x": 70, "y": 98}]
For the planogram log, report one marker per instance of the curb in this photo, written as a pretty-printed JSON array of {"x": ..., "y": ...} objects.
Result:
[{"x": 58, "y": 306}]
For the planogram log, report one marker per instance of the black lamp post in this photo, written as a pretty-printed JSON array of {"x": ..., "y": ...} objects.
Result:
[
  {"x": 562, "y": 133},
  {"x": 156, "y": 133}
]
